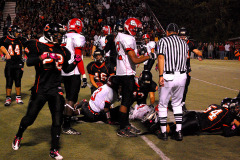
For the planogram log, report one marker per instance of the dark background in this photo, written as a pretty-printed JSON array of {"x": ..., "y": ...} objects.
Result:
[{"x": 206, "y": 20}]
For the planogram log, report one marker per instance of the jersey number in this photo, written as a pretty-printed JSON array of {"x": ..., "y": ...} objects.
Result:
[
  {"x": 101, "y": 77},
  {"x": 11, "y": 51},
  {"x": 214, "y": 114},
  {"x": 58, "y": 63}
]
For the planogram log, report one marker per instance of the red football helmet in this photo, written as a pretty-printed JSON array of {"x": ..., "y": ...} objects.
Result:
[
  {"x": 132, "y": 25},
  {"x": 76, "y": 25},
  {"x": 145, "y": 36},
  {"x": 106, "y": 30}
]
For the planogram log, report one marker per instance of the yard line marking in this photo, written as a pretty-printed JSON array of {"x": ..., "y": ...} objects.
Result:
[
  {"x": 155, "y": 148},
  {"x": 215, "y": 84}
]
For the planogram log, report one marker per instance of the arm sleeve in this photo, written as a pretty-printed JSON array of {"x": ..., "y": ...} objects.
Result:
[{"x": 80, "y": 65}]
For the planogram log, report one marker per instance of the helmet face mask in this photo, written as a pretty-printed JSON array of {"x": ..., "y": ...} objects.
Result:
[
  {"x": 98, "y": 56},
  {"x": 14, "y": 31},
  {"x": 133, "y": 26},
  {"x": 183, "y": 33},
  {"x": 146, "y": 38},
  {"x": 106, "y": 30},
  {"x": 54, "y": 33},
  {"x": 226, "y": 102},
  {"x": 235, "y": 106}
]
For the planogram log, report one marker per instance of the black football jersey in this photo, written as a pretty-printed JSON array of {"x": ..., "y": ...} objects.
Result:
[
  {"x": 48, "y": 72},
  {"x": 191, "y": 46},
  {"x": 14, "y": 48},
  {"x": 140, "y": 93},
  {"x": 214, "y": 118},
  {"x": 100, "y": 73}
]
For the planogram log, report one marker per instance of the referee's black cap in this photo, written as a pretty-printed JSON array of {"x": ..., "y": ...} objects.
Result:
[{"x": 172, "y": 27}]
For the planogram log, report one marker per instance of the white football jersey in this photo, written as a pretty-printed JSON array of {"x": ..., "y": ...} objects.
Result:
[
  {"x": 124, "y": 43},
  {"x": 100, "y": 42},
  {"x": 150, "y": 45},
  {"x": 100, "y": 96},
  {"x": 73, "y": 41},
  {"x": 139, "y": 111}
]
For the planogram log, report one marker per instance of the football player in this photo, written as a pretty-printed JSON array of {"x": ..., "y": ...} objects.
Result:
[
  {"x": 144, "y": 86},
  {"x": 98, "y": 108},
  {"x": 148, "y": 47},
  {"x": 126, "y": 69},
  {"x": 98, "y": 70},
  {"x": 216, "y": 119},
  {"x": 100, "y": 43},
  {"x": 192, "y": 48},
  {"x": 75, "y": 41},
  {"x": 12, "y": 46},
  {"x": 48, "y": 60}
]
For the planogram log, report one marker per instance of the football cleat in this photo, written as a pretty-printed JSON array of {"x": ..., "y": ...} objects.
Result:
[
  {"x": 162, "y": 136},
  {"x": 8, "y": 102},
  {"x": 134, "y": 130},
  {"x": 126, "y": 132},
  {"x": 19, "y": 100},
  {"x": 178, "y": 136},
  {"x": 54, "y": 154},
  {"x": 16, "y": 143},
  {"x": 70, "y": 131}
]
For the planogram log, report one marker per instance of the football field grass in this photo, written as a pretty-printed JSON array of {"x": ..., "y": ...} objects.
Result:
[{"x": 212, "y": 80}]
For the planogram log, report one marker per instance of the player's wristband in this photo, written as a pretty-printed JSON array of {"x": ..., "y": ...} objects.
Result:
[{"x": 160, "y": 75}]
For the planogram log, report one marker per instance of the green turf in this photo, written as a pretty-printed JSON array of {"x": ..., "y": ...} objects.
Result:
[{"x": 212, "y": 80}]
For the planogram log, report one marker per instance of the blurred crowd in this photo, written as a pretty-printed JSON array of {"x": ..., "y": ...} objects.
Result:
[
  {"x": 218, "y": 50},
  {"x": 33, "y": 15}
]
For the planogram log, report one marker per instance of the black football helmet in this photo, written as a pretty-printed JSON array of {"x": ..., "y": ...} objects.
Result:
[
  {"x": 183, "y": 33},
  {"x": 54, "y": 33},
  {"x": 235, "y": 106},
  {"x": 145, "y": 78},
  {"x": 12, "y": 30},
  {"x": 226, "y": 102},
  {"x": 97, "y": 59}
]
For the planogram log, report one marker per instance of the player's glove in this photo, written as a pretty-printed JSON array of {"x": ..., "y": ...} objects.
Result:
[
  {"x": 24, "y": 60},
  {"x": 153, "y": 56},
  {"x": 84, "y": 85},
  {"x": 3, "y": 58},
  {"x": 78, "y": 58}
]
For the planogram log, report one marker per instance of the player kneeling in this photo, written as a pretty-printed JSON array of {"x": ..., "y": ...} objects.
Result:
[{"x": 99, "y": 106}]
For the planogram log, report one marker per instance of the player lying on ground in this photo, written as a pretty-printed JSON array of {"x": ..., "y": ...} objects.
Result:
[
  {"x": 98, "y": 108},
  {"x": 223, "y": 119}
]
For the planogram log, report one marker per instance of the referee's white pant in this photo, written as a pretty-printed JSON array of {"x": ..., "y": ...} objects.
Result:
[{"x": 172, "y": 88}]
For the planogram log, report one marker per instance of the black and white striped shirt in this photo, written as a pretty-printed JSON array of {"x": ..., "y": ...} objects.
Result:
[{"x": 175, "y": 51}]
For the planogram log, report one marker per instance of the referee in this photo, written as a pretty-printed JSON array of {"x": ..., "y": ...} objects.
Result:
[{"x": 172, "y": 56}]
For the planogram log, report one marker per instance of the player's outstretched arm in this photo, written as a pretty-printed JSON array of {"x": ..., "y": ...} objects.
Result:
[{"x": 135, "y": 59}]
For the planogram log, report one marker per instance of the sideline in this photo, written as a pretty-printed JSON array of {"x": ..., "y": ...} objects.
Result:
[{"x": 215, "y": 84}]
